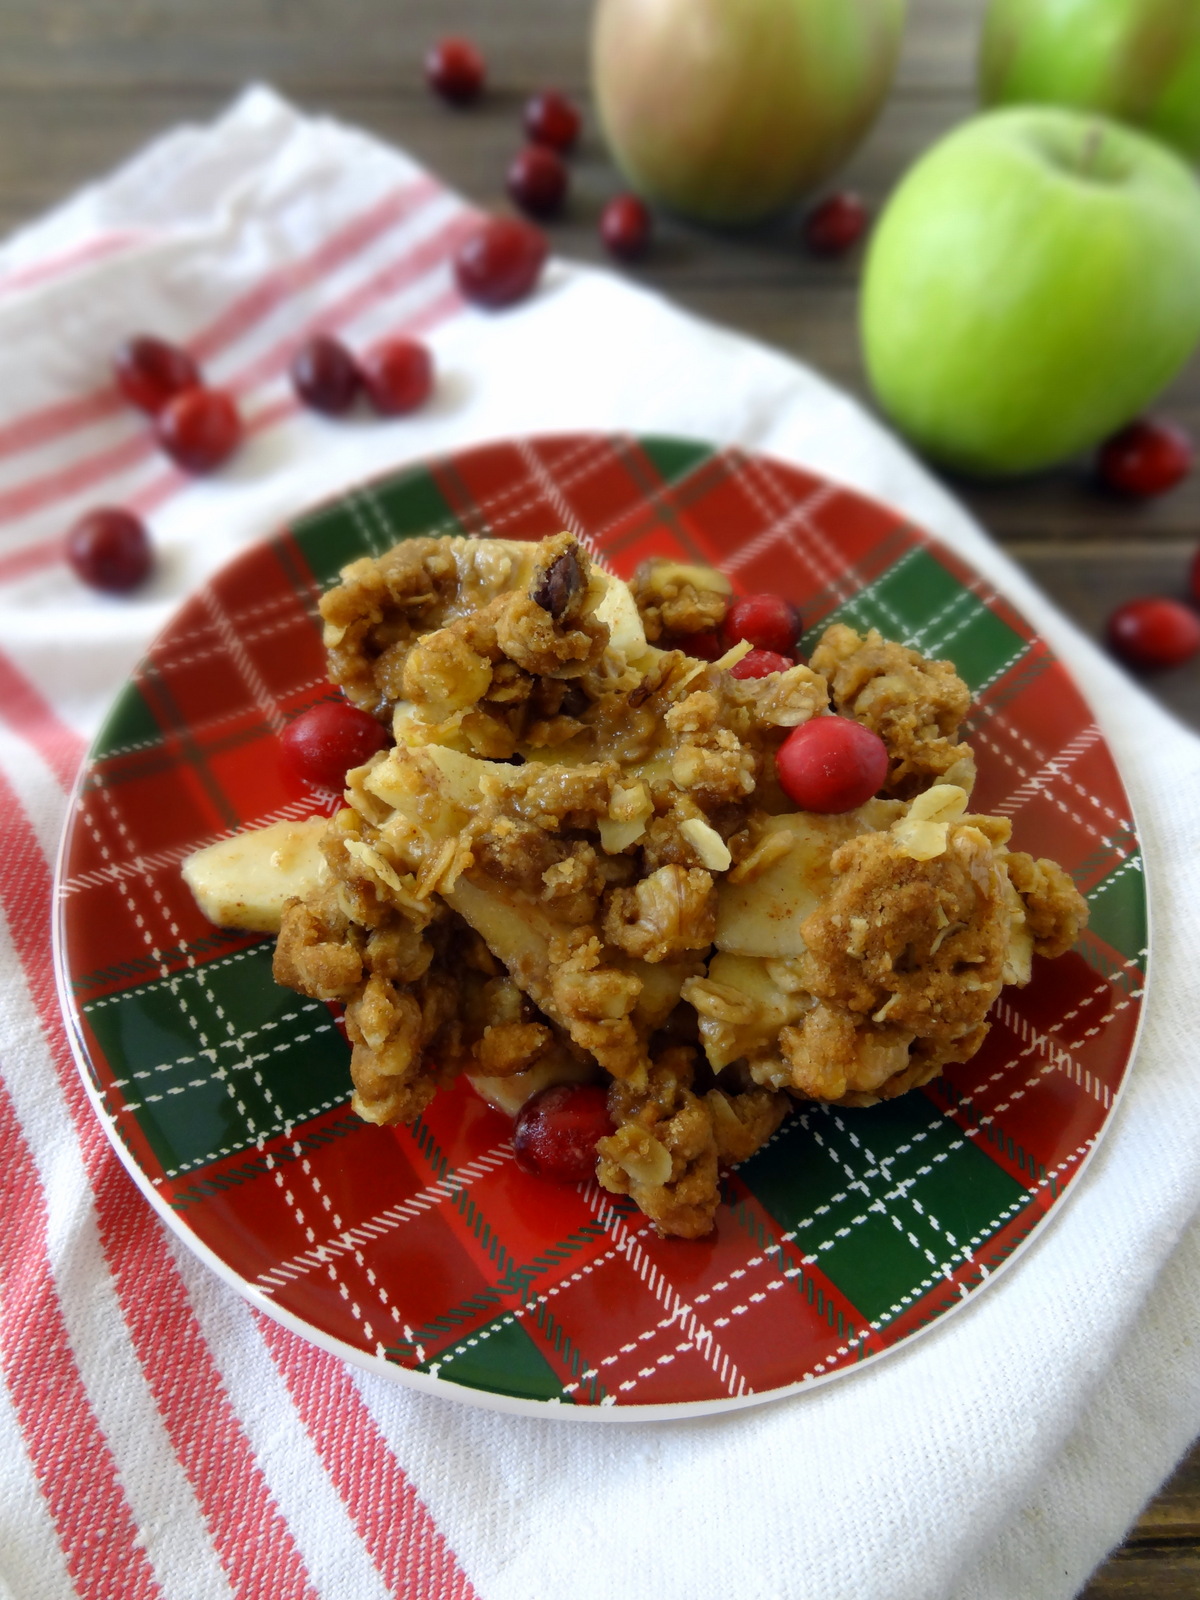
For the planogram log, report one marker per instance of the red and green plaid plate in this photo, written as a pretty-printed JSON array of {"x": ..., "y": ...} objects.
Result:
[{"x": 424, "y": 1251}]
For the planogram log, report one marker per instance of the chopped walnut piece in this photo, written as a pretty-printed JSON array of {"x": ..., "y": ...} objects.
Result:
[{"x": 668, "y": 913}]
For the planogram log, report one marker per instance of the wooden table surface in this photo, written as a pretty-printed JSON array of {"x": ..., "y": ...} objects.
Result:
[{"x": 85, "y": 82}]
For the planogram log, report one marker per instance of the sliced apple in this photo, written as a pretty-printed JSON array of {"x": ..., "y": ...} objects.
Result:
[
  {"x": 618, "y": 610},
  {"x": 510, "y": 1093},
  {"x": 741, "y": 1008},
  {"x": 760, "y": 907},
  {"x": 243, "y": 881}
]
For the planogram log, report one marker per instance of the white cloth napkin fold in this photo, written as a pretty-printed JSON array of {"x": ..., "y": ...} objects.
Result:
[{"x": 1001, "y": 1454}]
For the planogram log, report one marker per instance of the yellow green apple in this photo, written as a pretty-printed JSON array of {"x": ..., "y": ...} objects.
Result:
[
  {"x": 729, "y": 110},
  {"x": 1031, "y": 285},
  {"x": 1137, "y": 60}
]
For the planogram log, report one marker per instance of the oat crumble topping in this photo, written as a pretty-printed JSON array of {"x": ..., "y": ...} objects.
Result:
[{"x": 577, "y": 861}]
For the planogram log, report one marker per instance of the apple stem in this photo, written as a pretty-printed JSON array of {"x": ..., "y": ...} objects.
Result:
[{"x": 1093, "y": 139}]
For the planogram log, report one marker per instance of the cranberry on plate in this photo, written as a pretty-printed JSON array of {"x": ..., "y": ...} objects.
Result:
[
  {"x": 455, "y": 69},
  {"x": 551, "y": 119},
  {"x": 767, "y": 620},
  {"x": 324, "y": 742},
  {"x": 500, "y": 262},
  {"x": 1154, "y": 633},
  {"x": 398, "y": 375},
  {"x": 836, "y": 224},
  {"x": 110, "y": 549},
  {"x": 150, "y": 372},
  {"x": 625, "y": 227},
  {"x": 537, "y": 180},
  {"x": 1146, "y": 458},
  {"x": 325, "y": 375},
  {"x": 831, "y": 764},
  {"x": 556, "y": 1131},
  {"x": 760, "y": 664},
  {"x": 199, "y": 429}
]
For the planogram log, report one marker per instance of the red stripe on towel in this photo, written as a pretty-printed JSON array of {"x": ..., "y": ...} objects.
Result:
[
  {"x": 79, "y": 1478},
  {"x": 47, "y": 423},
  {"x": 391, "y": 1519},
  {"x": 250, "y": 1535}
]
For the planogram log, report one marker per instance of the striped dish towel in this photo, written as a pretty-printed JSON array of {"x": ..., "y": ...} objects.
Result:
[{"x": 158, "y": 1437}]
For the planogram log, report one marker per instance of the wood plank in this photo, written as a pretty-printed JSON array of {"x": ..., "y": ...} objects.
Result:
[
  {"x": 44, "y": 153},
  {"x": 1175, "y": 1513},
  {"x": 1160, "y": 1560},
  {"x": 362, "y": 44},
  {"x": 1146, "y": 1573}
]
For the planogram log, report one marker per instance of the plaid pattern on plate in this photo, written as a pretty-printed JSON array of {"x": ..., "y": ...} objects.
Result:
[{"x": 425, "y": 1250}]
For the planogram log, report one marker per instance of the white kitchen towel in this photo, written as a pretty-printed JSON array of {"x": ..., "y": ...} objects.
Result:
[{"x": 158, "y": 1438}]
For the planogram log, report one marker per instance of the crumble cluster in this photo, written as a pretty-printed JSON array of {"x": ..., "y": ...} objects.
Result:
[{"x": 577, "y": 860}]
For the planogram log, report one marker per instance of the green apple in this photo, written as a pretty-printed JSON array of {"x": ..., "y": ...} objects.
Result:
[
  {"x": 1032, "y": 284},
  {"x": 1137, "y": 60},
  {"x": 729, "y": 110}
]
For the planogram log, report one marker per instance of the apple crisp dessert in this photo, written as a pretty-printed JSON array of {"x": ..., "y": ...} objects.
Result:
[{"x": 577, "y": 862}]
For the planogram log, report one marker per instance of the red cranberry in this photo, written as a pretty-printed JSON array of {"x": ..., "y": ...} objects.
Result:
[
  {"x": 325, "y": 375},
  {"x": 1146, "y": 458},
  {"x": 500, "y": 262},
  {"x": 832, "y": 227},
  {"x": 831, "y": 764},
  {"x": 556, "y": 1131},
  {"x": 199, "y": 429},
  {"x": 323, "y": 743},
  {"x": 701, "y": 646},
  {"x": 150, "y": 372},
  {"x": 110, "y": 549},
  {"x": 550, "y": 118},
  {"x": 625, "y": 227},
  {"x": 398, "y": 375},
  {"x": 456, "y": 70},
  {"x": 1154, "y": 633},
  {"x": 760, "y": 664},
  {"x": 767, "y": 620},
  {"x": 537, "y": 180}
]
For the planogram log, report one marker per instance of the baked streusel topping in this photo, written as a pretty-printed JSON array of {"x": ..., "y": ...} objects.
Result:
[{"x": 577, "y": 861}]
